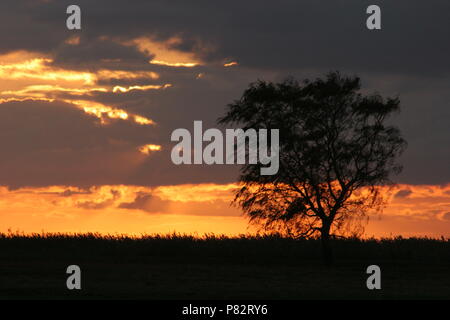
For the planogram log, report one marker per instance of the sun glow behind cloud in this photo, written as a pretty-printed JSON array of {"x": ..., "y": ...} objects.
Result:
[
  {"x": 174, "y": 64},
  {"x": 230, "y": 64},
  {"x": 39, "y": 69},
  {"x": 140, "y": 88},
  {"x": 78, "y": 89},
  {"x": 40, "y": 91},
  {"x": 165, "y": 53},
  {"x": 102, "y": 111},
  {"x": 74, "y": 40},
  {"x": 149, "y": 148},
  {"x": 127, "y": 75}
]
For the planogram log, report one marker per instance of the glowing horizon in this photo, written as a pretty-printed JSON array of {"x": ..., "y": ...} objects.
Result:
[{"x": 193, "y": 209}]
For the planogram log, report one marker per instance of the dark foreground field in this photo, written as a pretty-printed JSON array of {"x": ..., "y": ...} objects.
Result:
[{"x": 180, "y": 267}]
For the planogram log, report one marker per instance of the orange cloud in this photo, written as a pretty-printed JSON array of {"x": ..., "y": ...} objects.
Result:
[
  {"x": 149, "y": 148},
  {"x": 39, "y": 69},
  {"x": 17, "y": 67},
  {"x": 23, "y": 65},
  {"x": 39, "y": 91},
  {"x": 230, "y": 64},
  {"x": 127, "y": 75},
  {"x": 102, "y": 111},
  {"x": 164, "y": 52},
  {"x": 140, "y": 88},
  {"x": 174, "y": 64}
]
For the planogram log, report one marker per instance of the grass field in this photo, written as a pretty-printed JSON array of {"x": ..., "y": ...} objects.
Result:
[{"x": 214, "y": 267}]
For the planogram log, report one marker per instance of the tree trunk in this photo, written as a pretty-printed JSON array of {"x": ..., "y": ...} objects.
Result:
[{"x": 326, "y": 245}]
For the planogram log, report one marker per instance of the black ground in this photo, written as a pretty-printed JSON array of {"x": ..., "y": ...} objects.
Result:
[{"x": 181, "y": 267}]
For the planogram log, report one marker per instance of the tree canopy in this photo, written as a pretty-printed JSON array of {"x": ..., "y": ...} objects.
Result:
[{"x": 336, "y": 150}]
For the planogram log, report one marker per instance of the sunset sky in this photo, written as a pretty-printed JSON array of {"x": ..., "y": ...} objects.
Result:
[{"x": 86, "y": 115}]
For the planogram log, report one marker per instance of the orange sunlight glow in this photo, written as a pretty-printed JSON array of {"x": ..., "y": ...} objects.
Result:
[
  {"x": 230, "y": 64},
  {"x": 17, "y": 67},
  {"x": 141, "y": 88},
  {"x": 120, "y": 74},
  {"x": 165, "y": 52},
  {"x": 116, "y": 209},
  {"x": 174, "y": 64},
  {"x": 142, "y": 120},
  {"x": 42, "y": 90},
  {"x": 196, "y": 208},
  {"x": 101, "y": 111},
  {"x": 149, "y": 148},
  {"x": 38, "y": 68},
  {"x": 5, "y": 100},
  {"x": 74, "y": 40}
]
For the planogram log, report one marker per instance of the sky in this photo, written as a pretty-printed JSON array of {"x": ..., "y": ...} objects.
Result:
[{"x": 86, "y": 115}]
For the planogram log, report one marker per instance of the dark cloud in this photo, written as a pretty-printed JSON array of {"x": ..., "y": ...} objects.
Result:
[
  {"x": 446, "y": 216},
  {"x": 54, "y": 143},
  {"x": 151, "y": 203},
  {"x": 68, "y": 193},
  {"x": 45, "y": 143},
  {"x": 403, "y": 194},
  {"x": 278, "y": 35},
  {"x": 94, "y": 54},
  {"x": 146, "y": 202}
]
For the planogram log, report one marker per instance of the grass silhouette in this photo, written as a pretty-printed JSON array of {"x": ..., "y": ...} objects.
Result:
[{"x": 177, "y": 266}]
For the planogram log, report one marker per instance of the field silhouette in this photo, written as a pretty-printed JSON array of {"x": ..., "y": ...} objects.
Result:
[{"x": 219, "y": 267}]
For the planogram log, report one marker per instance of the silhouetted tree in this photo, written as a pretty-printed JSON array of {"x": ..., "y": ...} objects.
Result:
[{"x": 336, "y": 150}]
